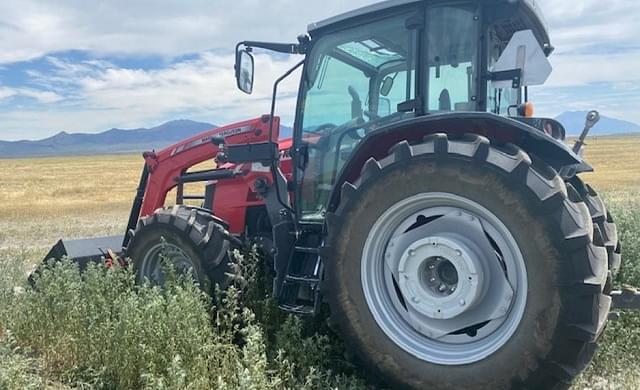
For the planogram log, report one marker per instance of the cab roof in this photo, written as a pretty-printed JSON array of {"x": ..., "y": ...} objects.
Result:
[{"x": 528, "y": 8}]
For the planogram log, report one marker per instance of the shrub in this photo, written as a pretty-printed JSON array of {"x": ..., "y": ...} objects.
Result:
[
  {"x": 17, "y": 371},
  {"x": 98, "y": 328}
]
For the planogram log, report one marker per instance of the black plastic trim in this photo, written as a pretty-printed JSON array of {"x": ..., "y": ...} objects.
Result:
[
  {"x": 213, "y": 174},
  {"x": 267, "y": 152},
  {"x": 137, "y": 205}
]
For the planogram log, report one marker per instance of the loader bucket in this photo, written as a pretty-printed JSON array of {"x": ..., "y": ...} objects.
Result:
[{"x": 83, "y": 252}]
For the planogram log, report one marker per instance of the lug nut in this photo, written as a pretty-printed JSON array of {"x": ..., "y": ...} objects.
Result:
[
  {"x": 432, "y": 280},
  {"x": 442, "y": 288}
]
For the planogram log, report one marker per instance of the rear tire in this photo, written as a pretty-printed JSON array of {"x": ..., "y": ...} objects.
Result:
[
  {"x": 564, "y": 310},
  {"x": 191, "y": 239},
  {"x": 604, "y": 222}
]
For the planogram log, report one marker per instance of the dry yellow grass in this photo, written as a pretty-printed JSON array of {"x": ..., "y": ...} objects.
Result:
[
  {"x": 616, "y": 161},
  {"x": 46, "y": 198}
]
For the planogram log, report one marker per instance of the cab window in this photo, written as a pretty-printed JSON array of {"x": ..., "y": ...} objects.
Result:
[{"x": 452, "y": 34}]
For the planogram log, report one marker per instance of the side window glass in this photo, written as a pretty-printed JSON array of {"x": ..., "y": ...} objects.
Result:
[
  {"x": 499, "y": 99},
  {"x": 394, "y": 90},
  {"x": 451, "y": 55},
  {"x": 329, "y": 101}
]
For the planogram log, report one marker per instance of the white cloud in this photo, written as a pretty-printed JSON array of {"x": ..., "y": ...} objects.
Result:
[
  {"x": 596, "y": 43},
  {"x": 33, "y": 28},
  {"x": 583, "y": 69},
  {"x": 592, "y": 23},
  {"x": 103, "y": 95},
  {"x": 7, "y": 92},
  {"x": 206, "y": 84},
  {"x": 40, "y": 96}
]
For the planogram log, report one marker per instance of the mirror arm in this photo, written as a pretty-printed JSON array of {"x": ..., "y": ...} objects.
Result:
[
  {"x": 287, "y": 48},
  {"x": 274, "y": 163}
]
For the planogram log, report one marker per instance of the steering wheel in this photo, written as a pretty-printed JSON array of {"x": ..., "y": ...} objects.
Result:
[
  {"x": 351, "y": 127},
  {"x": 323, "y": 127}
]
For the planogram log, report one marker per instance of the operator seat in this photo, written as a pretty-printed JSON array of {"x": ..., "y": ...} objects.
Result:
[{"x": 444, "y": 102}]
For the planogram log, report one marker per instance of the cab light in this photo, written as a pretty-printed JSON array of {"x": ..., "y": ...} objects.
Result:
[{"x": 526, "y": 110}]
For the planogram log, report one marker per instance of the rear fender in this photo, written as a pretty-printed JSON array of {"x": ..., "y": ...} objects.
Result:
[{"x": 496, "y": 128}]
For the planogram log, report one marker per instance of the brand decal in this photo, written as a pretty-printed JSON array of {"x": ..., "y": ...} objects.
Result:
[{"x": 207, "y": 139}]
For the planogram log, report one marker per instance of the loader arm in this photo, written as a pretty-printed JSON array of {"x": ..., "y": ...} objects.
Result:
[{"x": 168, "y": 165}]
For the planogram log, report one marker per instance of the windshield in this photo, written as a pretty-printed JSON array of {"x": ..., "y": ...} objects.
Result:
[{"x": 354, "y": 81}]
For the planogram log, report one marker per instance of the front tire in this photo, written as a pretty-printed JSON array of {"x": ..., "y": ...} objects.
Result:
[
  {"x": 189, "y": 239},
  {"x": 469, "y": 197}
]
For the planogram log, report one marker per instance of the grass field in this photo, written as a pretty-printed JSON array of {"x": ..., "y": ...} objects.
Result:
[{"x": 45, "y": 199}]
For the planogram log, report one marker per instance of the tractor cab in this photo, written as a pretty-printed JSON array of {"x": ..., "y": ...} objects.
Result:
[
  {"x": 397, "y": 71},
  {"x": 398, "y": 61}
]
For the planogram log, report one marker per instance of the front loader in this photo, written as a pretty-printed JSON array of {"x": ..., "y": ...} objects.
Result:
[{"x": 446, "y": 227}]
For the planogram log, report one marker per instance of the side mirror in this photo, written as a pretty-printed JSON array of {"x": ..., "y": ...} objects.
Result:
[
  {"x": 244, "y": 71},
  {"x": 387, "y": 84}
]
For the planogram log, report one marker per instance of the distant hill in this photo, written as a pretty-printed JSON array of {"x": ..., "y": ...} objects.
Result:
[
  {"x": 139, "y": 140},
  {"x": 111, "y": 141},
  {"x": 286, "y": 131},
  {"x": 573, "y": 121}
]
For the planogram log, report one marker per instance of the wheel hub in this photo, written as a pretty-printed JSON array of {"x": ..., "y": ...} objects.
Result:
[
  {"x": 446, "y": 272},
  {"x": 439, "y": 278},
  {"x": 163, "y": 254},
  {"x": 444, "y": 278}
]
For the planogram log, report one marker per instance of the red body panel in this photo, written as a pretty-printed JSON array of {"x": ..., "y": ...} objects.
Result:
[{"x": 232, "y": 196}]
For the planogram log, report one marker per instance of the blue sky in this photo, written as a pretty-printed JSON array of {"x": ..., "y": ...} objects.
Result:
[{"x": 84, "y": 66}]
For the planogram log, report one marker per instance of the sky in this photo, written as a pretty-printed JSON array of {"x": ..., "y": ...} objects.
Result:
[{"x": 78, "y": 66}]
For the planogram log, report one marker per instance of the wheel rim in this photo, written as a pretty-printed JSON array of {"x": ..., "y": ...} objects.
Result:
[
  {"x": 154, "y": 261},
  {"x": 444, "y": 278}
]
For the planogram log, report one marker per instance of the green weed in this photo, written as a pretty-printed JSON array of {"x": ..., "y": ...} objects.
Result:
[{"x": 98, "y": 329}]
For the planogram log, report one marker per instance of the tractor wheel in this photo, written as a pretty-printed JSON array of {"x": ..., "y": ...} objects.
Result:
[
  {"x": 190, "y": 239},
  {"x": 457, "y": 264},
  {"x": 603, "y": 221}
]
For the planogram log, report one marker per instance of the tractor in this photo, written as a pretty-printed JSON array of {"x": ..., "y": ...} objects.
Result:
[{"x": 443, "y": 224}]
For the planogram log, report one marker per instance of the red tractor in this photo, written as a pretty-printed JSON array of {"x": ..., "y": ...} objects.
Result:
[{"x": 445, "y": 226}]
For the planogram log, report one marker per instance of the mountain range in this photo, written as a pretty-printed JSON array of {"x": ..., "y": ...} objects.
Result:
[
  {"x": 573, "y": 122},
  {"x": 111, "y": 141},
  {"x": 138, "y": 140}
]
